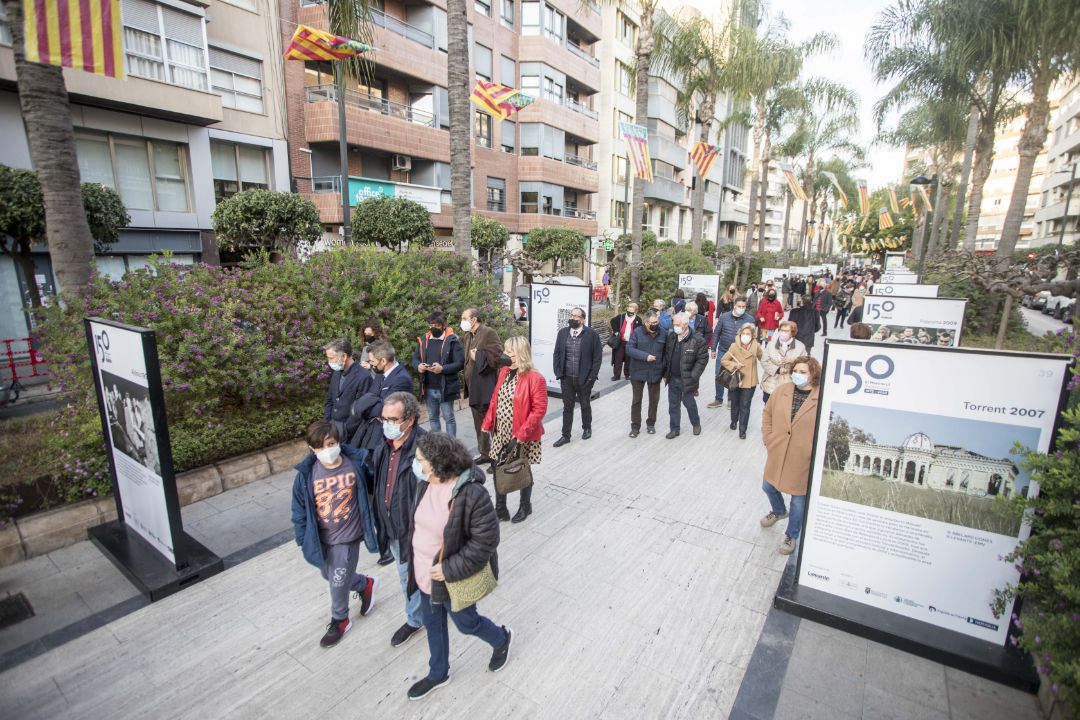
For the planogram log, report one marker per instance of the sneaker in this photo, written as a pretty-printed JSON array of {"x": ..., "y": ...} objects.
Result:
[
  {"x": 403, "y": 635},
  {"x": 335, "y": 631},
  {"x": 788, "y": 546},
  {"x": 697, "y": 429},
  {"x": 425, "y": 686},
  {"x": 634, "y": 432},
  {"x": 650, "y": 429},
  {"x": 501, "y": 654},
  {"x": 771, "y": 519},
  {"x": 716, "y": 404},
  {"x": 367, "y": 595}
]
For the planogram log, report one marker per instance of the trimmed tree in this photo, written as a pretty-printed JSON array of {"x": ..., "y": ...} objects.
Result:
[
  {"x": 558, "y": 245},
  {"x": 392, "y": 222},
  {"x": 267, "y": 219},
  {"x": 489, "y": 237}
]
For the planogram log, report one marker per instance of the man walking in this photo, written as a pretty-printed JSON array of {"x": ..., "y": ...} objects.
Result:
[
  {"x": 576, "y": 363},
  {"x": 438, "y": 358},
  {"x": 727, "y": 327},
  {"x": 482, "y": 352},
  {"x": 391, "y": 377},
  {"x": 348, "y": 383},
  {"x": 395, "y": 490},
  {"x": 685, "y": 356},
  {"x": 646, "y": 351},
  {"x": 622, "y": 327}
]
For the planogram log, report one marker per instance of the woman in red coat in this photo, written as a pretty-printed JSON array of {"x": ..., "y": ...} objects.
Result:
[
  {"x": 516, "y": 416},
  {"x": 769, "y": 314}
]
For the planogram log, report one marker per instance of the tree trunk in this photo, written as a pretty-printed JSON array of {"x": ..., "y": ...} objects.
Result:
[
  {"x": 751, "y": 220},
  {"x": 21, "y": 255},
  {"x": 941, "y": 222},
  {"x": 47, "y": 118},
  {"x": 980, "y": 170},
  {"x": 939, "y": 214},
  {"x": 1031, "y": 142},
  {"x": 697, "y": 199},
  {"x": 1003, "y": 326},
  {"x": 953, "y": 240},
  {"x": 763, "y": 189},
  {"x": 457, "y": 73},
  {"x": 643, "y": 55},
  {"x": 804, "y": 249},
  {"x": 789, "y": 199}
]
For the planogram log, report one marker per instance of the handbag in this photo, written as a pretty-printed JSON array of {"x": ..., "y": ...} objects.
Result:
[
  {"x": 613, "y": 341},
  {"x": 467, "y": 592},
  {"x": 512, "y": 470},
  {"x": 730, "y": 380}
]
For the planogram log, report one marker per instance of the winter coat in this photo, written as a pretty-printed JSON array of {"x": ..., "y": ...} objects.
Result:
[
  {"x": 640, "y": 347},
  {"x": 393, "y": 523},
  {"x": 823, "y": 301},
  {"x": 727, "y": 327},
  {"x": 789, "y": 442},
  {"x": 470, "y": 538},
  {"x": 305, "y": 525},
  {"x": 530, "y": 404},
  {"x": 744, "y": 358},
  {"x": 772, "y": 362},
  {"x": 616, "y": 324},
  {"x": 452, "y": 359},
  {"x": 665, "y": 320},
  {"x": 809, "y": 323},
  {"x": 369, "y": 407},
  {"x": 592, "y": 355},
  {"x": 482, "y": 373},
  {"x": 769, "y": 314},
  {"x": 695, "y": 358},
  {"x": 701, "y": 326},
  {"x": 346, "y": 387}
]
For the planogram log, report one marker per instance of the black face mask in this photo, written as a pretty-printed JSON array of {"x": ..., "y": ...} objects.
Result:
[
  {"x": 772, "y": 296},
  {"x": 652, "y": 328},
  {"x": 369, "y": 338},
  {"x": 574, "y": 323},
  {"x": 436, "y": 332}
]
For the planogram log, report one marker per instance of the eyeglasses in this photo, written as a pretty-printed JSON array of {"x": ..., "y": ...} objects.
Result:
[{"x": 391, "y": 419}]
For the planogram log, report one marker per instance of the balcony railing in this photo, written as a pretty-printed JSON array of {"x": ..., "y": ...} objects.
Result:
[
  {"x": 573, "y": 212},
  {"x": 387, "y": 22},
  {"x": 578, "y": 107},
  {"x": 366, "y": 101},
  {"x": 580, "y": 162},
  {"x": 496, "y": 205},
  {"x": 582, "y": 54},
  {"x": 326, "y": 184}
]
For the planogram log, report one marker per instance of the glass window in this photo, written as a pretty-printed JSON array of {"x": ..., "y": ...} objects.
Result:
[
  {"x": 618, "y": 213},
  {"x": 496, "y": 194},
  {"x": 625, "y": 30},
  {"x": 133, "y": 174},
  {"x": 95, "y": 160},
  {"x": 169, "y": 177},
  {"x": 482, "y": 7},
  {"x": 237, "y": 168},
  {"x": 506, "y": 136},
  {"x": 148, "y": 174},
  {"x": 530, "y": 202},
  {"x": 554, "y": 22},
  {"x": 482, "y": 128},
  {"x": 530, "y": 18},
  {"x": 507, "y": 71},
  {"x": 622, "y": 78},
  {"x": 482, "y": 62},
  {"x": 237, "y": 79},
  {"x": 621, "y": 117},
  {"x": 5, "y": 28},
  {"x": 664, "y": 212},
  {"x": 508, "y": 13},
  {"x": 163, "y": 43},
  {"x": 530, "y": 85},
  {"x": 553, "y": 91},
  {"x": 619, "y": 167}
]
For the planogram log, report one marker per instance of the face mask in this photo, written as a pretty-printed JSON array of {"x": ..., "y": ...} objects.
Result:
[
  {"x": 630, "y": 313},
  {"x": 681, "y": 330},
  {"x": 418, "y": 469},
  {"x": 746, "y": 339},
  {"x": 652, "y": 328},
  {"x": 772, "y": 296},
  {"x": 436, "y": 332},
  {"x": 799, "y": 379},
  {"x": 574, "y": 323},
  {"x": 785, "y": 336},
  {"x": 466, "y": 326},
  {"x": 337, "y": 367},
  {"x": 737, "y": 312},
  {"x": 369, "y": 338},
  {"x": 329, "y": 456},
  {"x": 391, "y": 431}
]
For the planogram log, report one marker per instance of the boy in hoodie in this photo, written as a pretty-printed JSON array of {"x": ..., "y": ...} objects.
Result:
[{"x": 331, "y": 517}]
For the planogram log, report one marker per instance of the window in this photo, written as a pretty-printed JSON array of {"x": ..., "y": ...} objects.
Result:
[
  {"x": 482, "y": 62},
  {"x": 166, "y": 44},
  {"x": 507, "y": 131},
  {"x": 530, "y": 18},
  {"x": 618, "y": 213},
  {"x": 5, "y": 28},
  {"x": 663, "y": 169},
  {"x": 482, "y": 128},
  {"x": 507, "y": 71},
  {"x": 664, "y": 213},
  {"x": 148, "y": 174},
  {"x": 530, "y": 202},
  {"x": 482, "y": 7},
  {"x": 553, "y": 91},
  {"x": 508, "y": 13},
  {"x": 496, "y": 194},
  {"x": 530, "y": 85},
  {"x": 622, "y": 78},
  {"x": 237, "y": 168},
  {"x": 537, "y": 18},
  {"x": 554, "y": 24},
  {"x": 619, "y": 167},
  {"x": 237, "y": 79},
  {"x": 621, "y": 117},
  {"x": 625, "y": 30},
  {"x": 706, "y": 224}
]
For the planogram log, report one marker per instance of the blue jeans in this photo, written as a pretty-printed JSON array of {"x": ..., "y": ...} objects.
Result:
[
  {"x": 798, "y": 507},
  {"x": 468, "y": 622},
  {"x": 676, "y": 396},
  {"x": 435, "y": 405},
  {"x": 412, "y": 603}
]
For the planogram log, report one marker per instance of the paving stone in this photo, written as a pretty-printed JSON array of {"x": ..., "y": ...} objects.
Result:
[
  {"x": 905, "y": 675},
  {"x": 794, "y": 705},
  {"x": 881, "y": 705},
  {"x": 830, "y": 674}
]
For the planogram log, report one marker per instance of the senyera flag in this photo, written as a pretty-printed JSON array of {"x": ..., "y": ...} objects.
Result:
[
  {"x": 864, "y": 199},
  {"x": 79, "y": 34},
  {"x": 884, "y": 218},
  {"x": 793, "y": 182},
  {"x": 498, "y": 100},
  {"x": 308, "y": 43},
  {"x": 704, "y": 155},
  {"x": 840, "y": 194},
  {"x": 636, "y": 138}
]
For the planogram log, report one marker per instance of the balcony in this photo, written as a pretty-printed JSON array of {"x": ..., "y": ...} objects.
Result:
[
  {"x": 579, "y": 108},
  {"x": 557, "y": 172},
  {"x": 579, "y": 161},
  {"x": 665, "y": 190},
  {"x": 533, "y": 48},
  {"x": 353, "y": 98},
  {"x": 374, "y": 123},
  {"x": 712, "y": 202},
  {"x": 735, "y": 212},
  {"x": 566, "y": 114},
  {"x": 577, "y": 220},
  {"x": 669, "y": 151},
  {"x": 581, "y": 53},
  {"x": 404, "y": 29}
]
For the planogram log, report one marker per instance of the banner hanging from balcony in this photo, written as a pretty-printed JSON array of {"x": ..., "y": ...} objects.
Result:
[
  {"x": 704, "y": 155},
  {"x": 864, "y": 199},
  {"x": 840, "y": 194},
  {"x": 793, "y": 182},
  {"x": 79, "y": 34},
  {"x": 499, "y": 100},
  {"x": 309, "y": 43},
  {"x": 636, "y": 138},
  {"x": 893, "y": 202}
]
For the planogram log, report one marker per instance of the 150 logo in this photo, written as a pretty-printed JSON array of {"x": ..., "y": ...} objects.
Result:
[
  {"x": 542, "y": 295},
  {"x": 101, "y": 347},
  {"x": 877, "y": 367},
  {"x": 875, "y": 310}
]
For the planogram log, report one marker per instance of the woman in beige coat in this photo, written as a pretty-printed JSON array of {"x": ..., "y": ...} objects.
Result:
[
  {"x": 743, "y": 356},
  {"x": 787, "y": 429}
]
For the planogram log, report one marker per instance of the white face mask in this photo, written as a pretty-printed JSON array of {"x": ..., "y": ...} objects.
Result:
[
  {"x": 737, "y": 312},
  {"x": 746, "y": 339},
  {"x": 329, "y": 456},
  {"x": 680, "y": 330},
  {"x": 466, "y": 326},
  {"x": 337, "y": 367}
]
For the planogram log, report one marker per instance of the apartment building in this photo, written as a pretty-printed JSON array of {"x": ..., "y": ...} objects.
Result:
[
  {"x": 199, "y": 117},
  {"x": 1053, "y": 221},
  {"x": 534, "y": 170},
  {"x": 997, "y": 192}
]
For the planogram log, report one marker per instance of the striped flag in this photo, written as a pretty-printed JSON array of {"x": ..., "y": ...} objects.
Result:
[
  {"x": 636, "y": 138},
  {"x": 885, "y": 219},
  {"x": 925, "y": 192},
  {"x": 79, "y": 34},
  {"x": 836, "y": 184},
  {"x": 793, "y": 182},
  {"x": 864, "y": 199},
  {"x": 498, "y": 100},
  {"x": 906, "y": 202},
  {"x": 309, "y": 43},
  {"x": 704, "y": 155},
  {"x": 892, "y": 201}
]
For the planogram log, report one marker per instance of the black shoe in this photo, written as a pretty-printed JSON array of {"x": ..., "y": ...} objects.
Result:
[
  {"x": 561, "y": 441},
  {"x": 403, "y": 635},
  {"x": 697, "y": 429},
  {"x": 500, "y": 508},
  {"x": 586, "y": 433},
  {"x": 650, "y": 429},
  {"x": 482, "y": 460},
  {"x": 672, "y": 435},
  {"x": 425, "y": 686},
  {"x": 335, "y": 631},
  {"x": 367, "y": 595},
  {"x": 386, "y": 558},
  {"x": 732, "y": 426},
  {"x": 742, "y": 436},
  {"x": 634, "y": 432},
  {"x": 523, "y": 512},
  {"x": 614, "y": 377},
  {"x": 502, "y": 653}
]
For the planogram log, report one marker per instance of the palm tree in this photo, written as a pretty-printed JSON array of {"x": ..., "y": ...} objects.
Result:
[
  {"x": 46, "y": 115},
  {"x": 457, "y": 78}
]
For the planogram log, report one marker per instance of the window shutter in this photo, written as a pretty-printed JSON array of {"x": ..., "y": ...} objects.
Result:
[
  {"x": 231, "y": 62},
  {"x": 141, "y": 15},
  {"x": 183, "y": 27}
]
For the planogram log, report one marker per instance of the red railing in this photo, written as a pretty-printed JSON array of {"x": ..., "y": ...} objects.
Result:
[
  {"x": 21, "y": 357},
  {"x": 600, "y": 293}
]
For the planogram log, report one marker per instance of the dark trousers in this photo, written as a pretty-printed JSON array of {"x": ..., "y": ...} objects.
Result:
[
  {"x": 635, "y": 405},
  {"x": 678, "y": 395},
  {"x": 573, "y": 390},
  {"x": 483, "y": 440},
  {"x": 841, "y": 315},
  {"x": 824, "y": 321},
  {"x": 740, "y": 407},
  {"x": 620, "y": 361}
]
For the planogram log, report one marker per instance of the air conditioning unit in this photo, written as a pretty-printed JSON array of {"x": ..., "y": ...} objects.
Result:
[{"x": 402, "y": 162}]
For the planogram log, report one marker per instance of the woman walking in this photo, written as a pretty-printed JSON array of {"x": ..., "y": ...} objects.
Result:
[
  {"x": 777, "y": 356},
  {"x": 743, "y": 356},
  {"x": 787, "y": 429},
  {"x": 516, "y": 417},
  {"x": 842, "y": 300},
  {"x": 453, "y": 536},
  {"x": 727, "y": 301}
]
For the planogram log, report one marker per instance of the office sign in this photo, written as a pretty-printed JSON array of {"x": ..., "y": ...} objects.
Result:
[
  {"x": 361, "y": 189},
  {"x": 930, "y": 291},
  {"x": 915, "y": 321},
  {"x": 691, "y": 285},
  {"x": 549, "y": 311}
]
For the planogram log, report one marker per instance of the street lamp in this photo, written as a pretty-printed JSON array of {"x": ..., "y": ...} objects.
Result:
[{"x": 923, "y": 181}]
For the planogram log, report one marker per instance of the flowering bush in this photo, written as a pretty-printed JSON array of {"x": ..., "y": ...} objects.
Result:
[{"x": 240, "y": 349}]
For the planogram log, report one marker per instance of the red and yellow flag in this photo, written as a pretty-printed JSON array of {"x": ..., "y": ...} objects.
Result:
[
  {"x": 308, "y": 43},
  {"x": 885, "y": 219},
  {"x": 636, "y": 138},
  {"x": 498, "y": 100},
  {"x": 793, "y": 181},
  {"x": 864, "y": 199},
  {"x": 840, "y": 194},
  {"x": 704, "y": 155},
  {"x": 79, "y": 34},
  {"x": 892, "y": 201}
]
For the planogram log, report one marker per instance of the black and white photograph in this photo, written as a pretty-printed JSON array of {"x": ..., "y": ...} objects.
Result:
[
  {"x": 912, "y": 335},
  {"x": 131, "y": 421}
]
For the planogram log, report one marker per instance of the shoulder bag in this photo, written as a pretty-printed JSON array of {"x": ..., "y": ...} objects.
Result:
[
  {"x": 471, "y": 590},
  {"x": 730, "y": 380}
]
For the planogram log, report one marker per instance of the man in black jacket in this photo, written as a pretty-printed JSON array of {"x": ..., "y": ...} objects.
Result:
[
  {"x": 349, "y": 382},
  {"x": 622, "y": 327},
  {"x": 438, "y": 358},
  {"x": 823, "y": 302},
  {"x": 395, "y": 490},
  {"x": 646, "y": 350},
  {"x": 391, "y": 377},
  {"x": 577, "y": 358},
  {"x": 483, "y": 359},
  {"x": 685, "y": 356}
]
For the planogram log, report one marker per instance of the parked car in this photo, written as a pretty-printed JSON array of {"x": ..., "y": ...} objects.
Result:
[
  {"x": 1055, "y": 305},
  {"x": 1036, "y": 301},
  {"x": 1068, "y": 311}
]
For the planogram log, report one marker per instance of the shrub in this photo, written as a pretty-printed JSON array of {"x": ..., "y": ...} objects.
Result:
[
  {"x": 392, "y": 222},
  {"x": 660, "y": 270},
  {"x": 555, "y": 244},
  {"x": 757, "y": 262},
  {"x": 266, "y": 219}
]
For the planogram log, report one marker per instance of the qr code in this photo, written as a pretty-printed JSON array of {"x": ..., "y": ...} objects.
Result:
[{"x": 564, "y": 315}]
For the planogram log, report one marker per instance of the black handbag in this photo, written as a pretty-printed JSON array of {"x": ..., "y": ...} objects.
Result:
[
  {"x": 613, "y": 341},
  {"x": 512, "y": 470},
  {"x": 730, "y": 380}
]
